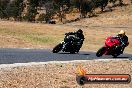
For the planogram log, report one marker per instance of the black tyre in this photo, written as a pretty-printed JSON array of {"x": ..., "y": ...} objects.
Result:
[
  {"x": 115, "y": 55},
  {"x": 57, "y": 48},
  {"x": 81, "y": 80},
  {"x": 72, "y": 52},
  {"x": 117, "y": 51},
  {"x": 101, "y": 51}
]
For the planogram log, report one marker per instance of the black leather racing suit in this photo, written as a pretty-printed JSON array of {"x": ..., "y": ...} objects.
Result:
[
  {"x": 79, "y": 36},
  {"x": 123, "y": 40}
]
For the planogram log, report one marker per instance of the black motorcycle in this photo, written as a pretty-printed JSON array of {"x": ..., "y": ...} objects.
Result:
[{"x": 71, "y": 44}]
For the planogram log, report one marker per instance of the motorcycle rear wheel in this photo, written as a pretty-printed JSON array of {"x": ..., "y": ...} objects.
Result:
[
  {"x": 115, "y": 55},
  {"x": 57, "y": 48},
  {"x": 72, "y": 52},
  {"x": 101, "y": 51},
  {"x": 117, "y": 51}
]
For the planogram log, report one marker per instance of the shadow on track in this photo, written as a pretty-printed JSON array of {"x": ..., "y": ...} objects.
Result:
[{"x": 122, "y": 57}]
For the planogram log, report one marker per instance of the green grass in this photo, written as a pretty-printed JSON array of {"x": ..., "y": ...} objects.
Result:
[
  {"x": 38, "y": 39},
  {"x": 35, "y": 38}
]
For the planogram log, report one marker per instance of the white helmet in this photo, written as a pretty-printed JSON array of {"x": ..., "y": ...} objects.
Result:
[{"x": 122, "y": 32}]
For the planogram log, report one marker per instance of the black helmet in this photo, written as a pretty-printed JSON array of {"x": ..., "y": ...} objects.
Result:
[{"x": 79, "y": 31}]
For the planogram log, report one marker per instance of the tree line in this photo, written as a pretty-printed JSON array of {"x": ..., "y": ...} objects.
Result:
[
  {"x": 27, "y": 10},
  {"x": 44, "y": 10}
]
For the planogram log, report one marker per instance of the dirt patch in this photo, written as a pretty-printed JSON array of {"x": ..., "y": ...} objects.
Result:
[{"x": 61, "y": 75}]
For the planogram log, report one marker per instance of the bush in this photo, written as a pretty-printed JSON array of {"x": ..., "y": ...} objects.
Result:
[
  {"x": 14, "y": 9},
  {"x": 3, "y": 6}
]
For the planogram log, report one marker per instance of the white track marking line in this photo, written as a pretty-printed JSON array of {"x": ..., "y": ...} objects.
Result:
[{"x": 53, "y": 62}]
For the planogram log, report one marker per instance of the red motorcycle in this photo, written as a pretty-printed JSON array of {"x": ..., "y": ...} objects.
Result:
[{"x": 113, "y": 46}]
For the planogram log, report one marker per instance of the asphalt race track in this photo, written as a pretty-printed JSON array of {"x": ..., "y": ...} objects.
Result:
[{"x": 10, "y": 56}]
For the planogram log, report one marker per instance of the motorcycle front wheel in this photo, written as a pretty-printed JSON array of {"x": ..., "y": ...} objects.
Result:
[
  {"x": 57, "y": 48},
  {"x": 101, "y": 51}
]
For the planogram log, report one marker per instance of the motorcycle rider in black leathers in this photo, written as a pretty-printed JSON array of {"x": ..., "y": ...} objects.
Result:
[
  {"x": 123, "y": 39},
  {"x": 79, "y": 35}
]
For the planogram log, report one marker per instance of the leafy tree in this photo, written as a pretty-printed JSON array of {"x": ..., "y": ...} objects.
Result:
[
  {"x": 14, "y": 9},
  {"x": 63, "y": 6},
  {"x": 3, "y": 5},
  {"x": 32, "y": 9}
]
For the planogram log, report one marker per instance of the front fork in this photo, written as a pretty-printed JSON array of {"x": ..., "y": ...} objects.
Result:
[{"x": 64, "y": 44}]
